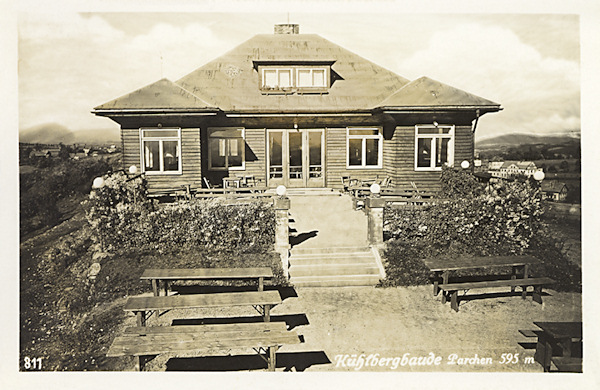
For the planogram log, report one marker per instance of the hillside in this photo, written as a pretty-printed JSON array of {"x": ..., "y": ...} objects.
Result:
[
  {"x": 53, "y": 133},
  {"x": 530, "y": 147}
]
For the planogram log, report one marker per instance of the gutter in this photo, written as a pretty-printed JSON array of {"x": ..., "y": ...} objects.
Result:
[{"x": 154, "y": 112}]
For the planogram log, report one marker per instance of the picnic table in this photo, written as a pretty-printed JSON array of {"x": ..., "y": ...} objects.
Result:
[
  {"x": 168, "y": 275},
  {"x": 262, "y": 301},
  {"x": 443, "y": 266},
  {"x": 145, "y": 342},
  {"x": 556, "y": 344}
]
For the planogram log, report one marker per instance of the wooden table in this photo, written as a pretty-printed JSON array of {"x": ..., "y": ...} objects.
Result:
[
  {"x": 557, "y": 338},
  {"x": 145, "y": 342},
  {"x": 262, "y": 301},
  {"x": 168, "y": 275},
  {"x": 442, "y": 267}
]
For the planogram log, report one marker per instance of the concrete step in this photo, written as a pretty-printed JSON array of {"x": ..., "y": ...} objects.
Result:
[
  {"x": 331, "y": 259},
  {"x": 335, "y": 281},
  {"x": 334, "y": 269},
  {"x": 331, "y": 251}
]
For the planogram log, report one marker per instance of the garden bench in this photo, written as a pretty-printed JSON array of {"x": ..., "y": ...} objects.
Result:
[
  {"x": 146, "y": 342},
  {"x": 537, "y": 283},
  {"x": 155, "y": 275},
  {"x": 262, "y": 301},
  {"x": 559, "y": 343},
  {"x": 442, "y": 266}
]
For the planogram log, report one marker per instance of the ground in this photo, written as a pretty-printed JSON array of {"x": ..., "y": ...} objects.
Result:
[
  {"x": 334, "y": 322},
  {"x": 337, "y": 323}
]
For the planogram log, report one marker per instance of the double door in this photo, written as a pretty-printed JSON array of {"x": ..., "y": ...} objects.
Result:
[{"x": 295, "y": 158}]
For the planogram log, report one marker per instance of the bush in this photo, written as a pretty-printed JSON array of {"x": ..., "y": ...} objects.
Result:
[
  {"x": 476, "y": 220},
  {"x": 43, "y": 189},
  {"x": 125, "y": 220}
]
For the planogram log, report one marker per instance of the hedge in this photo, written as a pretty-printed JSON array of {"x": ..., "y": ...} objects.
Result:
[{"x": 124, "y": 219}]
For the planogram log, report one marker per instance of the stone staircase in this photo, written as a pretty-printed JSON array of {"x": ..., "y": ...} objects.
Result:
[
  {"x": 350, "y": 266},
  {"x": 329, "y": 242}
]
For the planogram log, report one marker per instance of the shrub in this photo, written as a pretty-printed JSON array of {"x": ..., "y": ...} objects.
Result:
[
  {"x": 125, "y": 220},
  {"x": 473, "y": 219}
]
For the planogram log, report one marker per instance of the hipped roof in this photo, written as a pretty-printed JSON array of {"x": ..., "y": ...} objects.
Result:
[
  {"x": 426, "y": 92},
  {"x": 230, "y": 83},
  {"x": 161, "y": 95}
]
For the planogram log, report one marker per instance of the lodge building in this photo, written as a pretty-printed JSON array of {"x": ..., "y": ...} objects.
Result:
[{"x": 298, "y": 110}]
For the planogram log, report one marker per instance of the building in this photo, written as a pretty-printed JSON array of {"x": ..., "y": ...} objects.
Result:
[
  {"x": 511, "y": 169},
  {"x": 554, "y": 190},
  {"x": 298, "y": 110}
]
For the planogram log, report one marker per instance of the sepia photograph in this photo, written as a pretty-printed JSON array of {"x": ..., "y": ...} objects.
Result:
[{"x": 383, "y": 196}]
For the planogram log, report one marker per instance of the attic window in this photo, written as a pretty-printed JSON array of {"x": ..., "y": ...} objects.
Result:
[{"x": 294, "y": 78}]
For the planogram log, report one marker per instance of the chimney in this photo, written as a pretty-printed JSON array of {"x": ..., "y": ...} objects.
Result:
[{"x": 287, "y": 29}]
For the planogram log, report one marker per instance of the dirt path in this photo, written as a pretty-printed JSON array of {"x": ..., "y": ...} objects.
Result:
[{"x": 337, "y": 323}]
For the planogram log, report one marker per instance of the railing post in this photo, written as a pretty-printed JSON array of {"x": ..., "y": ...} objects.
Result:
[
  {"x": 374, "y": 206},
  {"x": 282, "y": 240}
]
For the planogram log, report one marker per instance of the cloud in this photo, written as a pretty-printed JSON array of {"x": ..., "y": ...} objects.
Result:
[
  {"x": 537, "y": 92},
  {"x": 70, "y": 63}
]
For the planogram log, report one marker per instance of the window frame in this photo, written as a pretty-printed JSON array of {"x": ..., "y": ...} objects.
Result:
[
  {"x": 378, "y": 136},
  {"x": 161, "y": 148},
  {"x": 312, "y": 69},
  {"x": 243, "y": 148},
  {"x": 294, "y": 78},
  {"x": 451, "y": 136}
]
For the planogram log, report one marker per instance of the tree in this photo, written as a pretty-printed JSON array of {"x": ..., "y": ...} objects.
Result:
[{"x": 564, "y": 166}]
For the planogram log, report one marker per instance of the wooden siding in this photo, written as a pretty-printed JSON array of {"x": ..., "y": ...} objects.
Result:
[
  {"x": 256, "y": 158},
  {"x": 191, "y": 160},
  {"x": 402, "y": 170}
]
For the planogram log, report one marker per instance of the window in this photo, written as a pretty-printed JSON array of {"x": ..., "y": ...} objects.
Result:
[
  {"x": 364, "y": 147},
  {"x": 434, "y": 147},
  {"x": 311, "y": 77},
  {"x": 161, "y": 151},
  {"x": 226, "y": 149},
  {"x": 277, "y": 78},
  {"x": 296, "y": 78}
]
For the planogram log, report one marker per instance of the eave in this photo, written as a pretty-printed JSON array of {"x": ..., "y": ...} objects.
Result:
[{"x": 155, "y": 112}]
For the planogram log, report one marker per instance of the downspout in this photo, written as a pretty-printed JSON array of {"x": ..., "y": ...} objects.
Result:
[{"x": 474, "y": 127}]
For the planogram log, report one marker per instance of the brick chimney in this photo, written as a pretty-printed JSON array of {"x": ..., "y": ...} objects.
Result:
[{"x": 287, "y": 29}]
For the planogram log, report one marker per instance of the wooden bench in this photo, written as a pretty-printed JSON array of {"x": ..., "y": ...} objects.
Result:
[
  {"x": 145, "y": 342},
  {"x": 168, "y": 275},
  {"x": 262, "y": 301},
  {"x": 537, "y": 283},
  {"x": 568, "y": 364}
]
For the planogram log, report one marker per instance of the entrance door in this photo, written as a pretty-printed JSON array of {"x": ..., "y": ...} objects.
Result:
[{"x": 296, "y": 158}]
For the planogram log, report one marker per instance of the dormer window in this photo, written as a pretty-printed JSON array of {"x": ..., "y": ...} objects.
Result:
[
  {"x": 277, "y": 78},
  {"x": 290, "y": 77},
  {"x": 311, "y": 77}
]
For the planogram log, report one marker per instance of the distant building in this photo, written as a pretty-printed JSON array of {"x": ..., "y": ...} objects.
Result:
[
  {"x": 554, "y": 190},
  {"x": 511, "y": 169},
  {"x": 46, "y": 152}
]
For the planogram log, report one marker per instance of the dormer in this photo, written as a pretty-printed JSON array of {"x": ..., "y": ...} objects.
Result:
[{"x": 294, "y": 76}]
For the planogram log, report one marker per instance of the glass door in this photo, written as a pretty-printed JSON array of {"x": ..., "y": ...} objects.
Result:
[
  {"x": 275, "y": 158},
  {"x": 295, "y": 158},
  {"x": 297, "y": 171},
  {"x": 315, "y": 158}
]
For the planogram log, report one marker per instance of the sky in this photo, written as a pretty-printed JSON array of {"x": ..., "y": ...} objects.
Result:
[{"x": 73, "y": 60}]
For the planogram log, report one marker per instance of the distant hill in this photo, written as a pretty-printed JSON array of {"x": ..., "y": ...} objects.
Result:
[
  {"x": 530, "y": 147},
  {"x": 516, "y": 139},
  {"x": 53, "y": 133}
]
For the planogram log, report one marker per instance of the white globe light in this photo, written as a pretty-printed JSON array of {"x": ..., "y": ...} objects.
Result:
[
  {"x": 133, "y": 169},
  {"x": 464, "y": 165},
  {"x": 375, "y": 188},
  {"x": 98, "y": 183},
  {"x": 281, "y": 190},
  {"x": 539, "y": 175}
]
